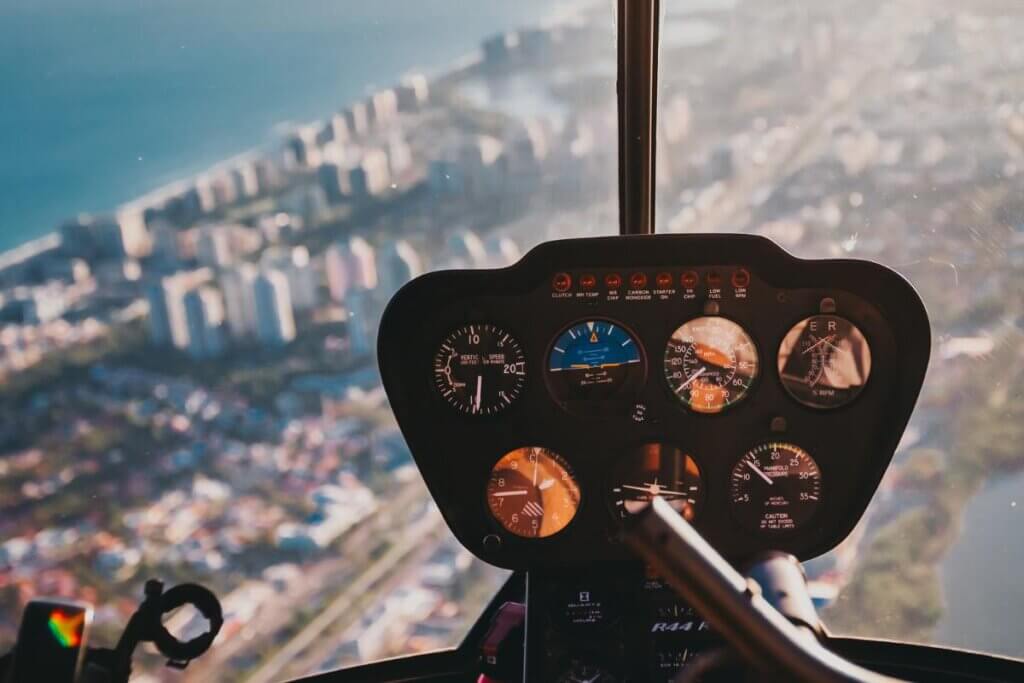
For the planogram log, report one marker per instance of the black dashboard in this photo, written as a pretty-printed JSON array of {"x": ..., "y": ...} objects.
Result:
[{"x": 761, "y": 394}]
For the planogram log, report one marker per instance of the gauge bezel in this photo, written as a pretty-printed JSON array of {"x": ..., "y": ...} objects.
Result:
[
  {"x": 597, "y": 409},
  {"x": 729, "y": 407},
  {"x": 507, "y": 534},
  {"x": 499, "y": 412},
  {"x": 811, "y": 406},
  {"x": 630, "y": 449},
  {"x": 776, "y": 533}
]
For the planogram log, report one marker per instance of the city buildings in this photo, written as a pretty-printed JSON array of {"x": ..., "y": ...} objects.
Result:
[
  {"x": 275, "y": 318},
  {"x": 204, "y": 319},
  {"x": 238, "y": 285}
]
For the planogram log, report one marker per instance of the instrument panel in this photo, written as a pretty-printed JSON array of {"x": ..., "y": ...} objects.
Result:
[{"x": 761, "y": 395}]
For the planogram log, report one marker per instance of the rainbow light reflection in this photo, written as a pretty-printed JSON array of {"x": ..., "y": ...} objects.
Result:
[{"x": 67, "y": 628}]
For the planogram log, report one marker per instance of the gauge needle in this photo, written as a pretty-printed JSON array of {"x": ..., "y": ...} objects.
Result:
[
  {"x": 502, "y": 494},
  {"x": 759, "y": 472},
  {"x": 689, "y": 381},
  {"x": 479, "y": 389},
  {"x": 823, "y": 340},
  {"x": 838, "y": 348}
]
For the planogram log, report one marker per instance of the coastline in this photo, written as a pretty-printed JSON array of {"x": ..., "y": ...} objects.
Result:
[{"x": 153, "y": 184}]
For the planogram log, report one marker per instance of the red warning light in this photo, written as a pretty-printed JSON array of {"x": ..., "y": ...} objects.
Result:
[
  {"x": 740, "y": 278},
  {"x": 562, "y": 282}
]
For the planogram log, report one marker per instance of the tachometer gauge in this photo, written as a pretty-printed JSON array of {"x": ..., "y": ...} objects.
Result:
[
  {"x": 480, "y": 369},
  {"x": 824, "y": 361},
  {"x": 532, "y": 492},
  {"x": 775, "y": 487},
  {"x": 710, "y": 363},
  {"x": 656, "y": 469},
  {"x": 595, "y": 361}
]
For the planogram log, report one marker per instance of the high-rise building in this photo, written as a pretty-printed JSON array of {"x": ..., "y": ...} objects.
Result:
[
  {"x": 296, "y": 265},
  {"x": 301, "y": 150},
  {"x": 370, "y": 176},
  {"x": 465, "y": 250},
  {"x": 275, "y": 320},
  {"x": 359, "y": 322},
  {"x": 197, "y": 201},
  {"x": 364, "y": 261},
  {"x": 502, "y": 251},
  {"x": 350, "y": 265},
  {"x": 357, "y": 118},
  {"x": 168, "y": 324},
  {"x": 238, "y": 285},
  {"x": 413, "y": 93},
  {"x": 213, "y": 248},
  {"x": 335, "y": 130},
  {"x": 471, "y": 166},
  {"x": 268, "y": 174},
  {"x": 399, "y": 263},
  {"x": 120, "y": 235},
  {"x": 166, "y": 246},
  {"x": 204, "y": 317},
  {"x": 399, "y": 156},
  {"x": 246, "y": 180},
  {"x": 159, "y": 315},
  {"x": 225, "y": 192},
  {"x": 382, "y": 107},
  {"x": 336, "y": 269}
]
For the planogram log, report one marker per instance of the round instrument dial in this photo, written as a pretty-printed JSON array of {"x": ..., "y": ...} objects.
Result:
[
  {"x": 710, "y": 363},
  {"x": 595, "y": 361},
  {"x": 824, "y": 361},
  {"x": 532, "y": 492},
  {"x": 656, "y": 469},
  {"x": 480, "y": 369},
  {"x": 775, "y": 487}
]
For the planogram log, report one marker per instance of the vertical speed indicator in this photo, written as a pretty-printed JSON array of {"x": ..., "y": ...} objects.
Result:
[{"x": 479, "y": 369}]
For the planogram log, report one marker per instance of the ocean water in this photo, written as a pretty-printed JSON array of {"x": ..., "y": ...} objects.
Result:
[{"x": 102, "y": 100}]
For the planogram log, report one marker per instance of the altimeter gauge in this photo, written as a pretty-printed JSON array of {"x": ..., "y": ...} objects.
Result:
[
  {"x": 824, "y": 361},
  {"x": 479, "y": 369},
  {"x": 532, "y": 492}
]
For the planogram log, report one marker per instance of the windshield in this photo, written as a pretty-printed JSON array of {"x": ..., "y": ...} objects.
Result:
[
  {"x": 205, "y": 208},
  {"x": 892, "y": 132},
  {"x": 206, "y": 205}
]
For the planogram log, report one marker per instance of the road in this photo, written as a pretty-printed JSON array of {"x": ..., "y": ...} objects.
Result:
[{"x": 414, "y": 538}]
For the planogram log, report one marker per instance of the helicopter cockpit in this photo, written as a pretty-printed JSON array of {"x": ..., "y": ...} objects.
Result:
[{"x": 650, "y": 432}]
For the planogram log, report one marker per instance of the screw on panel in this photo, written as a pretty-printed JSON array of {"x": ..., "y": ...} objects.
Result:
[
  {"x": 711, "y": 308},
  {"x": 778, "y": 424},
  {"x": 827, "y": 305},
  {"x": 492, "y": 542}
]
